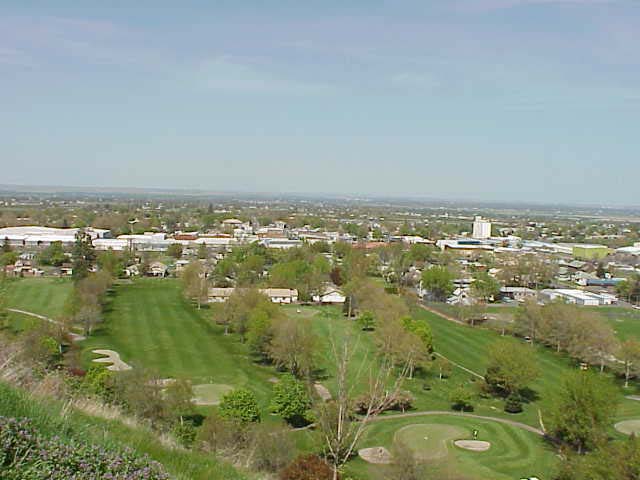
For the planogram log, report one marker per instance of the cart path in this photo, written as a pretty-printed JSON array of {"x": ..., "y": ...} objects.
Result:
[
  {"x": 74, "y": 336},
  {"x": 505, "y": 421}
]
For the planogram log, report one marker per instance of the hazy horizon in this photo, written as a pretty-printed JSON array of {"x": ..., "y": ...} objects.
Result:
[{"x": 487, "y": 100}]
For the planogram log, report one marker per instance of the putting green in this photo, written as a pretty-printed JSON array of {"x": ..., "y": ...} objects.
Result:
[
  {"x": 210, "y": 393},
  {"x": 628, "y": 427},
  {"x": 429, "y": 441}
]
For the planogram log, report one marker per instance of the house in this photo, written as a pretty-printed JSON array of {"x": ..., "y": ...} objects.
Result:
[
  {"x": 276, "y": 295},
  {"x": 281, "y": 295},
  {"x": 132, "y": 271},
  {"x": 519, "y": 294},
  {"x": 181, "y": 265},
  {"x": 331, "y": 296},
  {"x": 158, "y": 269},
  {"x": 461, "y": 297},
  {"x": 578, "y": 297},
  {"x": 66, "y": 269},
  {"x": 219, "y": 295}
]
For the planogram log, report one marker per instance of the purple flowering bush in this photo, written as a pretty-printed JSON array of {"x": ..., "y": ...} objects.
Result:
[{"x": 27, "y": 455}]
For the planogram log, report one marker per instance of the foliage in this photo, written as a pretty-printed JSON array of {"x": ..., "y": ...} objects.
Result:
[
  {"x": 83, "y": 255},
  {"x": 241, "y": 405},
  {"x": 294, "y": 346},
  {"x": 511, "y": 367},
  {"x": 100, "y": 382},
  {"x": 513, "y": 404},
  {"x": 582, "y": 412},
  {"x": 485, "y": 287},
  {"x": 461, "y": 399},
  {"x": 308, "y": 467},
  {"x": 53, "y": 255},
  {"x": 27, "y": 454},
  {"x": 438, "y": 281},
  {"x": 175, "y": 250},
  {"x": 271, "y": 448},
  {"x": 367, "y": 321},
  {"x": 291, "y": 400}
]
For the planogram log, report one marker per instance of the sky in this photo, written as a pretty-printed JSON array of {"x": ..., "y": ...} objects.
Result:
[{"x": 507, "y": 100}]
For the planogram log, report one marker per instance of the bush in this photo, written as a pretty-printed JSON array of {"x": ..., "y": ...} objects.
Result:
[
  {"x": 100, "y": 382},
  {"x": 291, "y": 401},
  {"x": 25, "y": 454},
  {"x": 241, "y": 405},
  {"x": 401, "y": 401},
  {"x": 461, "y": 399},
  {"x": 219, "y": 434},
  {"x": 513, "y": 404},
  {"x": 185, "y": 432},
  {"x": 272, "y": 448},
  {"x": 308, "y": 467}
]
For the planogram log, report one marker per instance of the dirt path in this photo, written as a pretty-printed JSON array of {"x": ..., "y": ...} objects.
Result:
[
  {"x": 74, "y": 336},
  {"x": 506, "y": 421}
]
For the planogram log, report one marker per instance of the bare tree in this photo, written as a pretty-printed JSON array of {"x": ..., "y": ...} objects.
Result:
[{"x": 338, "y": 426}]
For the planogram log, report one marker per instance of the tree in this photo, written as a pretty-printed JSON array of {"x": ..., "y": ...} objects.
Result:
[
  {"x": 53, "y": 255},
  {"x": 203, "y": 252},
  {"x": 510, "y": 368},
  {"x": 110, "y": 262},
  {"x": 241, "y": 305},
  {"x": 582, "y": 412},
  {"x": 6, "y": 245},
  {"x": 174, "y": 250},
  {"x": 614, "y": 461},
  {"x": 83, "y": 255},
  {"x": 367, "y": 321},
  {"x": 528, "y": 320},
  {"x": 241, "y": 405},
  {"x": 291, "y": 400},
  {"x": 461, "y": 399},
  {"x": 194, "y": 283},
  {"x": 438, "y": 281},
  {"x": 629, "y": 355},
  {"x": 443, "y": 367},
  {"x": 600, "y": 271},
  {"x": 421, "y": 329},
  {"x": 338, "y": 430},
  {"x": 593, "y": 341},
  {"x": 485, "y": 287},
  {"x": 259, "y": 334},
  {"x": 294, "y": 346}
]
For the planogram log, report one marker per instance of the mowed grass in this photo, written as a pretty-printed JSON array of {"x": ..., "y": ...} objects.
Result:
[
  {"x": 514, "y": 453},
  {"x": 43, "y": 295},
  {"x": 624, "y": 321},
  {"x": 469, "y": 346},
  {"x": 151, "y": 325}
]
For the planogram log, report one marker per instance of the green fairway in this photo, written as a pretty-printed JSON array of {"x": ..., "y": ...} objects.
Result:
[
  {"x": 44, "y": 296},
  {"x": 151, "y": 325},
  {"x": 624, "y": 321},
  {"x": 514, "y": 453}
]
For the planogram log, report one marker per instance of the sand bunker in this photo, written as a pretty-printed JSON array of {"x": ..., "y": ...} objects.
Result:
[
  {"x": 473, "y": 445},
  {"x": 375, "y": 455},
  {"x": 628, "y": 427},
  {"x": 208, "y": 394},
  {"x": 109, "y": 356}
]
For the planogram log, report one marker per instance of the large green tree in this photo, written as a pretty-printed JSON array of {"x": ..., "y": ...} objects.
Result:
[
  {"x": 438, "y": 281},
  {"x": 291, "y": 400},
  {"x": 511, "y": 367},
  {"x": 240, "y": 405},
  {"x": 582, "y": 412}
]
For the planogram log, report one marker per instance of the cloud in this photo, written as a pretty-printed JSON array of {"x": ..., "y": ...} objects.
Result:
[{"x": 230, "y": 74}]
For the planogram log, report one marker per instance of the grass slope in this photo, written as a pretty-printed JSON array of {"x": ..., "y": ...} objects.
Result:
[
  {"x": 150, "y": 324},
  {"x": 44, "y": 296},
  {"x": 54, "y": 418}
]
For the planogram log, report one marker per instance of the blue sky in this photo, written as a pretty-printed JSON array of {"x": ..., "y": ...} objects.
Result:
[{"x": 529, "y": 100}]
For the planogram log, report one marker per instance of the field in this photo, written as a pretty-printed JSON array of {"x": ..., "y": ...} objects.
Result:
[
  {"x": 44, "y": 296},
  {"x": 151, "y": 325},
  {"x": 514, "y": 453}
]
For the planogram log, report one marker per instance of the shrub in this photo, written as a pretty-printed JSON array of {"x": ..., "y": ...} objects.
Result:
[
  {"x": 25, "y": 454},
  {"x": 219, "y": 434},
  {"x": 308, "y": 467},
  {"x": 99, "y": 381},
  {"x": 513, "y": 404},
  {"x": 461, "y": 399},
  {"x": 272, "y": 447},
  {"x": 291, "y": 400},
  {"x": 241, "y": 405},
  {"x": 401, "y": 401}
]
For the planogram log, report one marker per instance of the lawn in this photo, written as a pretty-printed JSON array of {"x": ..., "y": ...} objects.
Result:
[
  {"x": 44, "y": 296},
  {"x": 514, "y": 453},
  {"x": 151, "y": 325},
  {"x": 624, "y": 321}
]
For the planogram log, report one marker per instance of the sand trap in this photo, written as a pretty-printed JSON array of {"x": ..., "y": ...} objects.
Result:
[
  {"x": 473, "y": 445},
  {"x": 322, "y": 391},
  {"x": 375, "y": 455},
  {"x": 208, "y": 394},
  {"x": 628, "y": 427},
  {"x": 109, "y": 356}
]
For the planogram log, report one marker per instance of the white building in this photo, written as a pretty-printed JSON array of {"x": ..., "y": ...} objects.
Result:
[
  {"x": 481, "y": 228},
  {"x": 579, "y": 297}
]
